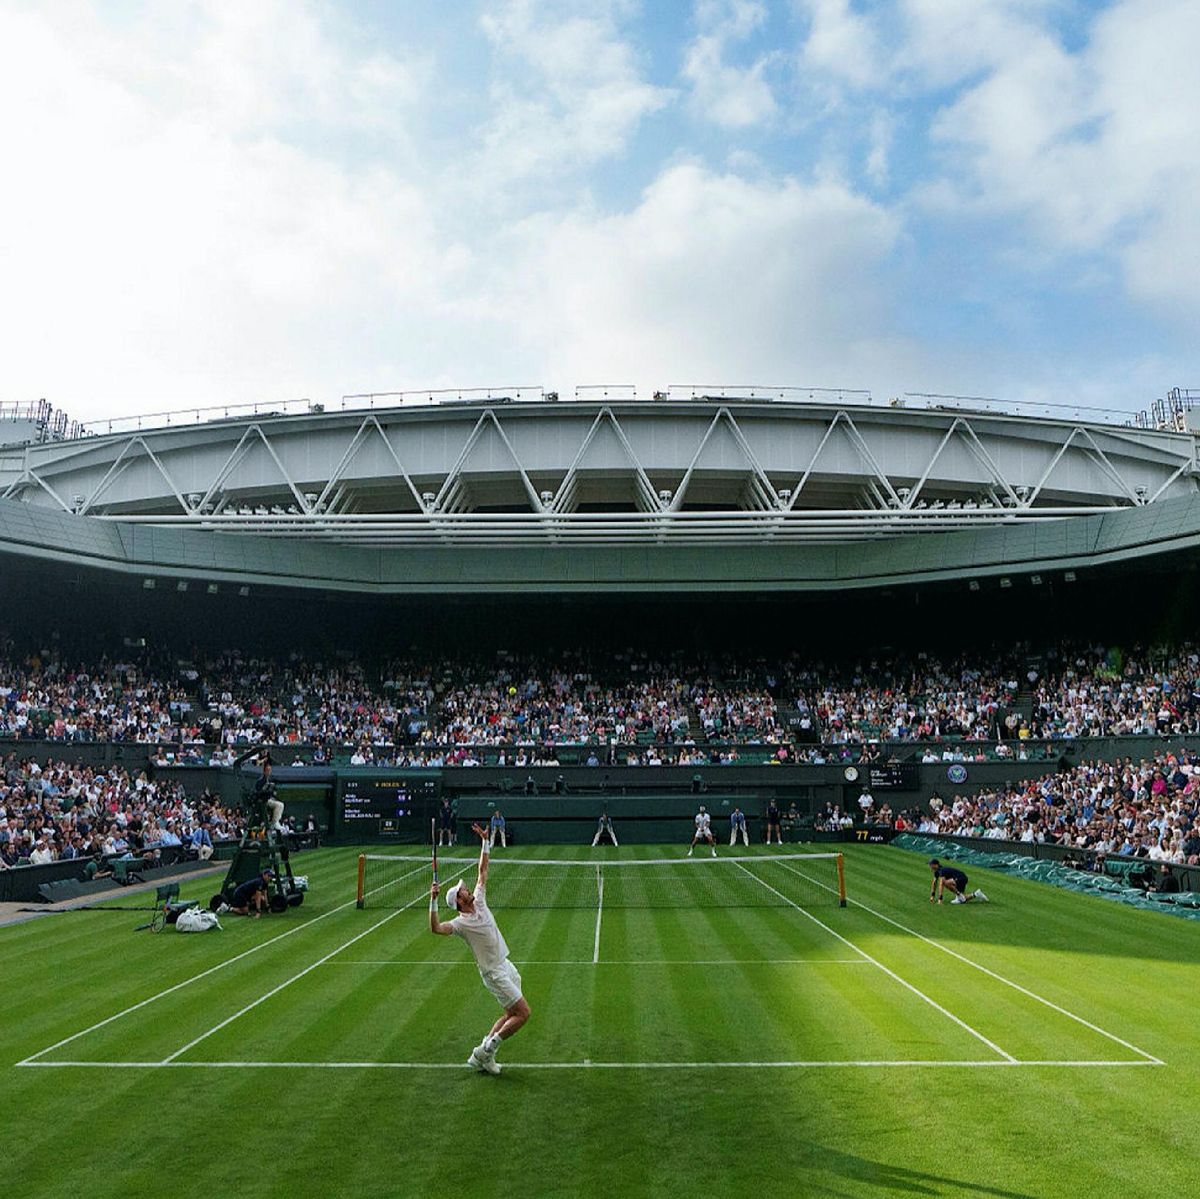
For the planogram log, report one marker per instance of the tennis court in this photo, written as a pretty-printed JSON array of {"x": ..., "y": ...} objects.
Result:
[
  {"x": 851, "y": 1040},
  {"x": 736, "y": 973}
]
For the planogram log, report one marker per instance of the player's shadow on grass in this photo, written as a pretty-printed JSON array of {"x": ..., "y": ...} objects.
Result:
[{"x": 894, "y": 1180}]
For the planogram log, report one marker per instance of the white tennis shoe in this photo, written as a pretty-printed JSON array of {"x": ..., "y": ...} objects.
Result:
[
  {"x": 482, "y": 1061},
  {"x": 980, "y": 895}
]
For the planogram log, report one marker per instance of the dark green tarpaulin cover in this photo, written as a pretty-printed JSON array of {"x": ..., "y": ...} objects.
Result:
[{"x": 1113, "y": 884}]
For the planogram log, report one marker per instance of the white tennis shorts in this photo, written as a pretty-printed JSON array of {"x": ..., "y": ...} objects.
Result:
[{"x": 504, "y": 984}]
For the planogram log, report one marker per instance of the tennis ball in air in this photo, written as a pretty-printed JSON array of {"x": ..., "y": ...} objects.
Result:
[{"x": 512, "y": 691}]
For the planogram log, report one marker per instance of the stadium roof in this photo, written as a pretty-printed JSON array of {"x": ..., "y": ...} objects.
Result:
[
  {"x": 29, "y": 534},
  {"x": 502, "y": 472}
]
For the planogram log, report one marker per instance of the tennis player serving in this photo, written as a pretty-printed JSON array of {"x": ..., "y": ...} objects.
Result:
[{"x": 477, "y": 926}]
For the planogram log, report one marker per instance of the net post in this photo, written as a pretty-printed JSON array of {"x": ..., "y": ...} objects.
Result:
[
  {"x": 362, "y": 876},
  {"x": 841, "y": 873}
]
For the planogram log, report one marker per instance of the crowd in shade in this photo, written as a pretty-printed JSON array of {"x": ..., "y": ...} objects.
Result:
[
  {"x": 40, "y": 696},
  {"x": 430, "y": 707},
  {"x": 53, "y": 810},
  {"x": 1145, "y": 809},
  {"x": 628, "y": 699}
]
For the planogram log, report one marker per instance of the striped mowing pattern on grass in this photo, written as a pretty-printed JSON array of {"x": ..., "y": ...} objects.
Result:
[
  {"x": 704, "y": 880},
  {"x": 583, "y": 1065},
  {"x": 725, "y": 1018}
]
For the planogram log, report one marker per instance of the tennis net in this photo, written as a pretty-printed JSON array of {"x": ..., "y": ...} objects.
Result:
[{"x": 778, "y": 880}]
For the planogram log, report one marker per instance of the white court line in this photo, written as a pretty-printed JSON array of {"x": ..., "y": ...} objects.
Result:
[
  {"x": 195, "y": 978},
  {"x": 590, "y": 1065},
  {"x": 610, "y": 962},
  {"x": 1008, "y": 982},
  {"x": 288, "y": 982},
  {"x": 890, "y": 973},
  {"x": 599, "y": 913}
]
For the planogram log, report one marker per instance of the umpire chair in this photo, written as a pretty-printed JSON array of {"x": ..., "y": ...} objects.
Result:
[{"x": 261, "y": 846}]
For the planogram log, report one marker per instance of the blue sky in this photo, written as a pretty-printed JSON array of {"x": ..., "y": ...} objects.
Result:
[{"x": 216, "y": 203}]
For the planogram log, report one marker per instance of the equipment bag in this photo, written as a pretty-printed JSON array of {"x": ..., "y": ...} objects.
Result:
[
  {"x": 196, "y": 920},
  {"x": 176, "y": 908}
]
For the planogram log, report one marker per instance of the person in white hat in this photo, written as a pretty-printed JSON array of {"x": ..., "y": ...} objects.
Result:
[{"x": 477, "y": 926}]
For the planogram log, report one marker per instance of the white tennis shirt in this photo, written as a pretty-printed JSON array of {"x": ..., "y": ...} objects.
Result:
[
  {"x": 703, "y": 819},
  {"x": 481, "y": 933}
]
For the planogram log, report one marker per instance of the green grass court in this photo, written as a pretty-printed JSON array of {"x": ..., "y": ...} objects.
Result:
[{"x": 1043, "y": 1044}]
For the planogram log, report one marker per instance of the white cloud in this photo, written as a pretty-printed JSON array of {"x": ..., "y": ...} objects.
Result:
[
  {"x": 717, "y": 276},
  {"x": 939, "y": 44},
  {"x": 879, "y": 147},
  {"x": 841, "y": 44},
  {"x": 568, "y": 90},
  {"x": 734, "y": 97},
  {"x": 174, "y": 239},
  {"x": 912, "y": 47},
  {"x": 161, "y": 243},
  {"x": 1096, "y": 148},
  {"x": 209, "y": 204}
]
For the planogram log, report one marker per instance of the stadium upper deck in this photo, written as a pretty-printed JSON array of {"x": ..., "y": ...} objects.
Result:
[{"x": 693, "y": 489}]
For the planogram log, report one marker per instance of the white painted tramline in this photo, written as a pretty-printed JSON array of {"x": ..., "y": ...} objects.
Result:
[
  {"x": 1008, "y": 982},
  {"x": 1002, "y": 1058}
]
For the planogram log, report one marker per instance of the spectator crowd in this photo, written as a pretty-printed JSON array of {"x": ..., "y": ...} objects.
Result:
[
  {"x": 429, "y": 709},
  {"x": 53, "y": 810},
  {"x": 1146, "y": 809}
]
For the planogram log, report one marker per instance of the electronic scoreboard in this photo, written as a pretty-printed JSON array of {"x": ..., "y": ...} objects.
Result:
[
  {"x": 894, "y": 776},
  {"x": 884, "y": 776},
  {"x": 394, "y": 806}
]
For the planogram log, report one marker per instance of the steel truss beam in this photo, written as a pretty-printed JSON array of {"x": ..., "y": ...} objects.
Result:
[
  {"x": 511, "y": 529},
  {"x": 958, "y": 470}
]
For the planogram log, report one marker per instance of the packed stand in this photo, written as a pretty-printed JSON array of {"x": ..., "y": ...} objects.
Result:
[
  {"x": 1107, "y": 693},
  {"x": 885, "y": 701},
  {"x": 625, "y": 698},
  {"x": 252, "y": 701},
  {"x": 54, "y": 810},
  {"x": 1148, "y": 809},
  {"x": 109, "y": 700},
  {"x": 652, "y": 708}
]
